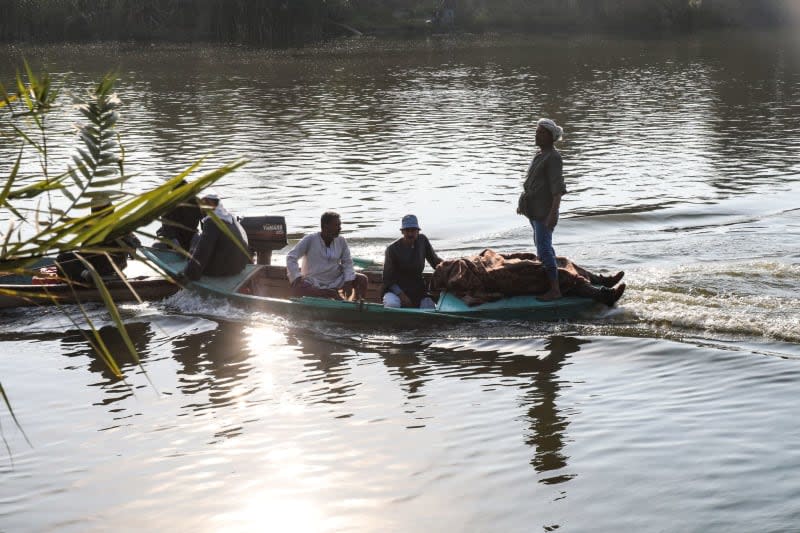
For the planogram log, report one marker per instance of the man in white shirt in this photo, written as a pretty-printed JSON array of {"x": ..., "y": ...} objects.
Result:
[{"x": 327, "y": 267}]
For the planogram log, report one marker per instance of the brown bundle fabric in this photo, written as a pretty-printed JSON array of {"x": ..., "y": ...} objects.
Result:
[{"x": 490, "y": 276}]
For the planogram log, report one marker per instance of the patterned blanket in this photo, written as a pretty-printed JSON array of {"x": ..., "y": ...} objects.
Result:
[{"x": 490, "y": 276}]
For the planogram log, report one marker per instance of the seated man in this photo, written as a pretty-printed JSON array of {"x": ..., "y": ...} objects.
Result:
[
  {"x": 327, "y": 266},
  {"x": 490, "y": 276},
  {"x": 403, "y": 285},
  {"x": 179, "y": 226},
  {"x": 215, "y": 254},
  {"x": 104, "y": 263}
]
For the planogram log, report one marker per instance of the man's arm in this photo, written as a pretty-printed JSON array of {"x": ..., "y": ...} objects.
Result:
[
  {"x": 347, "y": 262},
  {"x": 430, "y": 254},
  {"x": 552, "y": 216},
  {"x": 293, "y": 259},
  {"x": 390, "y": 279},
  {"x": 201, "y": 253},
  {"x": 555, "y": 178}
]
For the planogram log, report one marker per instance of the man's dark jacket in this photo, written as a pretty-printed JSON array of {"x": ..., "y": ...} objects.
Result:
[{"x": 215, "y": 254}]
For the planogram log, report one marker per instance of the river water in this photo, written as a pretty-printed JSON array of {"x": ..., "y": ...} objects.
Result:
[{"x": 671, "y": 412}]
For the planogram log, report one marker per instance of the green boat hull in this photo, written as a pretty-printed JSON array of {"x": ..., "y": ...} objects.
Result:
[{"x": 449, "y": 308}]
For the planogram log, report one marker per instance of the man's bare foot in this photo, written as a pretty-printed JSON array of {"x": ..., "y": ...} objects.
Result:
[{"x": 549, "y": 296}]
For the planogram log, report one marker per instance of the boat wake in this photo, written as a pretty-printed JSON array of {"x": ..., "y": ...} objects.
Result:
[
  {"x": 704, "y": 304},
  {"x": 727, "y": 301}
]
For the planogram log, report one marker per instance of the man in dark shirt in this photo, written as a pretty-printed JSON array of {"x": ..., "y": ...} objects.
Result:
[
  {"x": 403, "y": 285},
  {"x": 215, "y": 254},
  {"x": 179, "y": 226},
  {"x": 107, "y": 263},
  {"x": 544, "y": 186}
]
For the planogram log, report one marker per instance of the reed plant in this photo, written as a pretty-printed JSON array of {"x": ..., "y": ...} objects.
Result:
[{"x": 46, "y": 207}]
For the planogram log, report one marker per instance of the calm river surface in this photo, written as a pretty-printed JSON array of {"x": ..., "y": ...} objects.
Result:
[{"x": 676, "y": 411}]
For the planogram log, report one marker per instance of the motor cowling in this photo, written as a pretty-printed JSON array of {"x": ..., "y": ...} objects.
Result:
[{"x": 264, "y": 235}]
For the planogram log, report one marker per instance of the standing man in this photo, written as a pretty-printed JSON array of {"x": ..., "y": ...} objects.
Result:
[
  {"x": 328, "y": 266},
  {"x": 541, "y": 200}
]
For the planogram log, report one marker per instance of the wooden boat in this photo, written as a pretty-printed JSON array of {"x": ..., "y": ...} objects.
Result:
[
  {"x": 266, "y": 287},
  {"x": 21, "y": 291}
]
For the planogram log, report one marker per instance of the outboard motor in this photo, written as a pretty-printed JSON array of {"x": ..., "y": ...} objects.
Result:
[{"x": 264, "y": 235}]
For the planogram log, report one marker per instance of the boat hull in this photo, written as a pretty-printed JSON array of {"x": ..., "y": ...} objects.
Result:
[
  {"x": 266, "y": 288},
  {"x": 25, "y": 295}
]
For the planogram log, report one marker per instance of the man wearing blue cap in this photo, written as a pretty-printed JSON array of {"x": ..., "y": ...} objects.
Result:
[{"x": 403, "y": 285}]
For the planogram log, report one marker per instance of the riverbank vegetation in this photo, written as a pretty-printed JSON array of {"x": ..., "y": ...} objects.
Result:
[{"x": 281, "y": 23}]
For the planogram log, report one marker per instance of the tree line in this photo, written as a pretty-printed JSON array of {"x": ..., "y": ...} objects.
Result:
[{"x": 281, "y": 23}]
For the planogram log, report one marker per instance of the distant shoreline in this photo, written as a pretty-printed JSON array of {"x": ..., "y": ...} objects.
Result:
[
  {"x": 258, "y": 23},
  {"x": 391, "y": 42}
]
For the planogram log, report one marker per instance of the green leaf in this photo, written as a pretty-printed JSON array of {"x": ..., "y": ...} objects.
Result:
[
  {"x": 110, "y": 182},
  {"x": 34, "y": 189},
  {"x": 80, "y": 165},
  {"x": 13, "y": 416},
  {"x": 77, "y": 180},
  {"x": 30, "y": 141},
  {"x": 111, "y": 307},
  {"x": 105, "y": 172},
  {"x": 10, "y": 180},
  {"x": 88, "y": 160}
]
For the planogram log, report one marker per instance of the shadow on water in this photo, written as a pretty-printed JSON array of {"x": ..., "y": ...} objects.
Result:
[
  {"x": 74, "y": 344},
  {"x": 532, "y": 365},
  {"x": 538, "y": 378},
  {"x": 548, "y": 425},
  {"x": 213, "y": 361},
  {"x": 326, "y": 362}
]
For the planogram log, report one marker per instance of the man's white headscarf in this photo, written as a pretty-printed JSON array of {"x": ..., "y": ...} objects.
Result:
[
  {"x": 219, "y": 210},
  {"x": 223, "y": 213},
  {"x": 556, "y": 130}
]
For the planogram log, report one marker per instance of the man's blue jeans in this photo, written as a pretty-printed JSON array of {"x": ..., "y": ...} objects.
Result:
[{"x": 543, "y": 238}]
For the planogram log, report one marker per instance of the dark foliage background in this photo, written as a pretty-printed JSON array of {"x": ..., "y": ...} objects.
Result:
[{"x": 281, "y": 23}]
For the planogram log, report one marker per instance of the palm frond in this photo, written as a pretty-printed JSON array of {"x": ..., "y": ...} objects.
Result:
[
  {"x": 98, "y": 162},
  {"x": 96, "y": 170}
]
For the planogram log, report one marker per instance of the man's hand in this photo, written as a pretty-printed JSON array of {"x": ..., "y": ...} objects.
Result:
[
  {"x": 297, "y": 281},
  {"x": 552, "y": 220},
  {"x": 347, "y": 289},
  {"x": 405, "y": 300}
]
